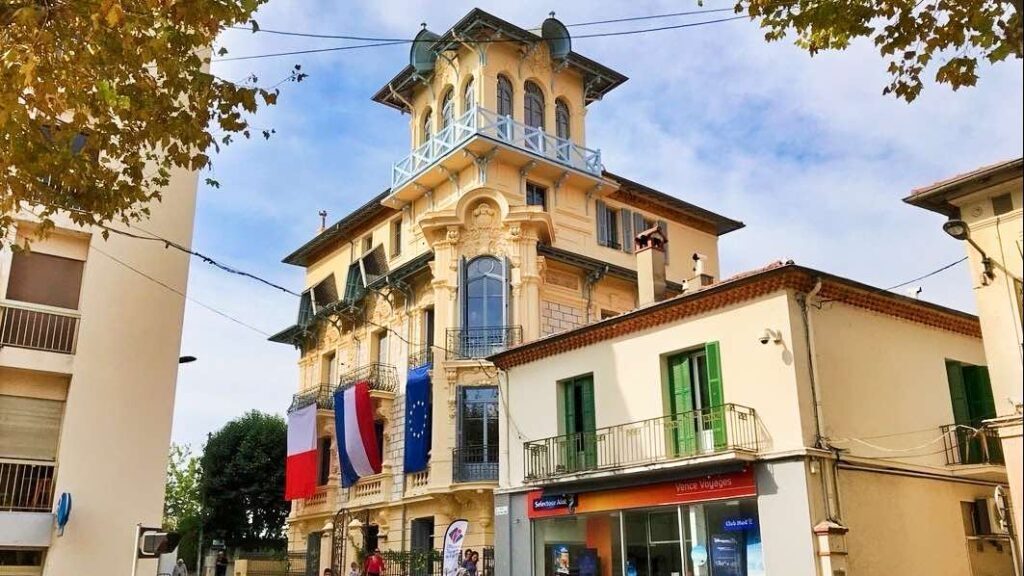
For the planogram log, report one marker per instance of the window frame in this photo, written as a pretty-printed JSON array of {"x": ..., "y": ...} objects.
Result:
[
  {"x": 396, "y": 238},
  {"x": 505, "y": 96},
  {"x": 534, "y": 105},
  {"x": 534, "y": 189}
]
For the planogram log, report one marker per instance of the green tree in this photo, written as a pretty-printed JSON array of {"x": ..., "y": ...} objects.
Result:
[
  {"x": 100, "y": 100},
  {"x": 242, "y": 487},
  {"x": 182, "y": 506},
  {"x": 909, "y": 34}
]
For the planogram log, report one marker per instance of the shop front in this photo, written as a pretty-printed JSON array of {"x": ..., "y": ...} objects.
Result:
[{"x": 698, "y": 526}]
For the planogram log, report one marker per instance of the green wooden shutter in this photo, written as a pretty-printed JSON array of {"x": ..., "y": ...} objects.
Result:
[
  {"x": 568, "y": 447},
  {"x": 683, "y": 421},
  {"x": 716, "y": 395},
  {"x": 589, "y": 422},
  {"x": 957, "y": 392},
  {"x": 978, "y": 387},
  {"x": 601, "y": 215}
]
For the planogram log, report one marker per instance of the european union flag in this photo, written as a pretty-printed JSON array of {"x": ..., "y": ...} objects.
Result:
[{"x": 417, "y": 419}]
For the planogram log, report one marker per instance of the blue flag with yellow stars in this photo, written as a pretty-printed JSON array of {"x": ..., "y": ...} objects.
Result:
[{"x": 417, "y": 419}]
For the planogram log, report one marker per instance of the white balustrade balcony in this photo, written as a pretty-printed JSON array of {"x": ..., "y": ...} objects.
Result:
[{"x": 503, "y": 131}]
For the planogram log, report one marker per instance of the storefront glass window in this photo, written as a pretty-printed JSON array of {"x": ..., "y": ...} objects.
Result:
[{"x": 584, "y": 545}]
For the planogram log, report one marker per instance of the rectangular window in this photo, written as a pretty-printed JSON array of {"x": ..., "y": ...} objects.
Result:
[
  {"x": 30, "y": 427},
  {"x": 476, "y": 456},
  {"x": 367, "y": 243},
  {"x": 1002, "y": 204},
  {"x": 329, "y": 368},
  {"x": 579, "y": 423},
  {"x": 607, "y": 225},
  {"x": 380, "y": 342},
  {"x": 396, "y": 237},
  {"x": 536, "y": 195},
  {"x": 422, "y": 537},
  {"x": 45, "y": 279},
  {"x": 324, "y": 461}
]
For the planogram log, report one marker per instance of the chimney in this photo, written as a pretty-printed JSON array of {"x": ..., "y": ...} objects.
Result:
[{"x": 649, "y": 246}]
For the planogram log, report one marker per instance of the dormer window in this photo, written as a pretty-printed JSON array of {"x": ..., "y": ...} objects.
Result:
[
  {"x": 562, "y": 119},
  {"x": 504, "y": 96}
]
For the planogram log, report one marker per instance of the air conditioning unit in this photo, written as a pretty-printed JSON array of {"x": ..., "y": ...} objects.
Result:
[{"x": 989, "y": 517}]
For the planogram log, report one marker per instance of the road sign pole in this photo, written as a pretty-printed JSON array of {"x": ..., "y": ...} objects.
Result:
[{"x": 135, "y": 549}]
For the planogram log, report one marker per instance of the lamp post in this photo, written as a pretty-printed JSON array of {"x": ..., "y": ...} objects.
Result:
[{"x": 959, "y": 230}]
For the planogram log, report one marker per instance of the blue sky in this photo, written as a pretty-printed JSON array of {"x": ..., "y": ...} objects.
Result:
[{"x": 806, "y": 151}]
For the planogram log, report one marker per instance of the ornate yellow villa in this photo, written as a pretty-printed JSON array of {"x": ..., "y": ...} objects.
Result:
[{"x": 500, "y": 227}]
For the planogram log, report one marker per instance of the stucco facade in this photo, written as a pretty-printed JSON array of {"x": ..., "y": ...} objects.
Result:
[
  {"x": 835, "y": 397},
  {"x": 519, "y": 193},
  {"x": 988, "y": 203},
  {"x": 68, "y": 374}
]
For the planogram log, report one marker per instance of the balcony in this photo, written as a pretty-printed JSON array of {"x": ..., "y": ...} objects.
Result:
[
  {"x": 38, "y": 327},
  {"x": 26, "y": 486},
  {"x": 468, "y": 343},
  {"x": 475, "y": 464},
  {"x": 502, "y": 130},
  {"x": 417, "y": 483},
  {"x": 965, "y": 446},
  {"x": 382, "y": 378},
  {"x": 719, "y": 430},
  {"x": 370, "y": 490},
  {"x": 421, "y": 355}
]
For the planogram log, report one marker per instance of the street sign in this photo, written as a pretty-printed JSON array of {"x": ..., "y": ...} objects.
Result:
[{"x": 155, "y": 541}]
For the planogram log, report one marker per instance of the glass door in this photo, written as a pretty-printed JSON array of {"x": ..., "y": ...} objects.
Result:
[{"x": 652, "y": 543}]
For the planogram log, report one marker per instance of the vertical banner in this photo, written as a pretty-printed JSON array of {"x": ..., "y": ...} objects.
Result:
[{"x": 454, "y": 536}]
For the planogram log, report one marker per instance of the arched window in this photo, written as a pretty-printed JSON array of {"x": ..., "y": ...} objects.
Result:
[
  {"x": 448, "y": 109},
  {"x": 485, "y": 285},
  {"x": 426, "y": 127},
  {"x": 469, "y": 96},
  {"x": 533, "y": 106},
  {"x": 504, "y": 96},
  {"x": 562, "y": 119}
]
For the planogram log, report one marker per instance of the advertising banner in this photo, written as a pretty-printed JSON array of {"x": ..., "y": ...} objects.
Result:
[{"x": 454, "y": 536}]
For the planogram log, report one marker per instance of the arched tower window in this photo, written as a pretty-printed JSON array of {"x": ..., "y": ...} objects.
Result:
[
  {"x": 533, "y": 106},
  {"x": 485, "y": 292},
  {"x": 448, "y": 109},
  {"x": 469, "y": 96},
  {"x": 562, "y": 129},
  {"x": 504, "y": 96},
  {"x": 426, "y": 127}
]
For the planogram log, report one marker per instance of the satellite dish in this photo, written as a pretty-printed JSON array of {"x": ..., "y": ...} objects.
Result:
[
  {"x": 421, "y": 57},
  {"x": 557, "y": 36}
]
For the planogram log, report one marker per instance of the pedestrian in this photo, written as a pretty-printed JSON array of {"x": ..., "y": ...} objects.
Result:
[
  {"x": 220, "y": 566},
  {"x": 354, "y": 569},
  {"x": 179, "y": 568},
  {"x": 328, "y": 572},
  {"x": 374, "y": 564},
  {"x": 472, "y": 559}
]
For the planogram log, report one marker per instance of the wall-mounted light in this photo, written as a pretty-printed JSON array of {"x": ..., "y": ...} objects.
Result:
[{"x": 959, "y": 230}]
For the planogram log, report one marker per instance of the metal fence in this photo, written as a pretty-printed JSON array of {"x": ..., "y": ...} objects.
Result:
[
  {"x": 26, "y": 486},
  {"x": 25, "y": 326},
  {"x": 420, "y": 355},
  {"x": 380, "y": 377},
  {"x": 724, "y": 428},
  {"x": 482, "y": 342},
  {"x": 965, "y": 445},
  {"x": 475, "y": 464},
  {"x": 428, "y": 562}
]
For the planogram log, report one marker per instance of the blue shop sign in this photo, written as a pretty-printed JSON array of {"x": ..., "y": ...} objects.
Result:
[
  {"x": 554, "y": 502},
  {"x": 739, "y": 524}
]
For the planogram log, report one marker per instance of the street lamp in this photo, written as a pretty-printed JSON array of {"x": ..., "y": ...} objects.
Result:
[
  {"x": 186, "y": 359},
  {"x": 959, "y": 230}
]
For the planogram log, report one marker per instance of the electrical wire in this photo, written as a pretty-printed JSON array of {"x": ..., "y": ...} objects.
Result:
[
  {"x": 179, "y": 292},
  {"x": 376, "y": 42},
  {"x": 911, "y": 281},
  {"x": 974, "y": 432}
]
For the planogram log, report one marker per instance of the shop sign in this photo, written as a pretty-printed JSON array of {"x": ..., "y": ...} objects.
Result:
[
  {"x": 727, "y": 486},
  {"x": 549, "y": 502},
  {"x": 739, "y": 524}
]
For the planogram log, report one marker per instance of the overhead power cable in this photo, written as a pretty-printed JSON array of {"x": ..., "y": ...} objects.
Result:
[{"x": 376, "y": 42}]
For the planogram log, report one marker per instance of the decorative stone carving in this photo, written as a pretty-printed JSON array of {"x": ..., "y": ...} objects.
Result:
[{"x": 484, "y": 234}]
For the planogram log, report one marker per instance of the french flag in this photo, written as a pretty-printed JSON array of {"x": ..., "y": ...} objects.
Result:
[
  {"x": 358, "y": 450},
  {"x": 300, "y": 467}
]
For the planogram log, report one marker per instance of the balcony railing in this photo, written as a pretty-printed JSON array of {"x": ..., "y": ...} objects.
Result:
[
  {"x": 964, "y": 446},
  {"x": 38, "y": 328},
  {"x": 421, "y": 355},
  {"x": 26, "y": 486},
  {"x": 482, "y": 342},
  {"x": 481, "y": 122},
  {"x": 716, "y": 430},
  {"x": 475, "y": 464},
  {"x": 380, "y": 377}
]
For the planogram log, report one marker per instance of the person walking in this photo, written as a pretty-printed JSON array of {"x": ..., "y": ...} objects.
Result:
[
  {"x": 374, "y": 564},
  {"x": 179, "y": 568}
]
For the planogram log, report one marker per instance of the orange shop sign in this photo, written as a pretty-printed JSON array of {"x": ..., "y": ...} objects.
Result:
[{"x": 695, "y": 489}]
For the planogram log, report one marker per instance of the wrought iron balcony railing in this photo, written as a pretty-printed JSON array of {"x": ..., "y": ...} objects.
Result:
[
  {"x": 421, "y": 355},
  {"x": 28, "y": 326},
  {"x": 26, "y": 486},
  {"x": 475, "y": 464},
  {"x": 716, "y": 430},
  {"x": 964, "y": 445},
  {"x": 481, "y": 122},
  {"x": 482, "y": 342},
  {"x": 379, "y": 376}
]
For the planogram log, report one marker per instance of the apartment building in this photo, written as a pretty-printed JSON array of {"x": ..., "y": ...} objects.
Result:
[
  {"x": 783, "y": 421},
  {"x": 500, "y": 226},
  {"x": 983, "y": 210},
  {"x": 89, "y": 351}
]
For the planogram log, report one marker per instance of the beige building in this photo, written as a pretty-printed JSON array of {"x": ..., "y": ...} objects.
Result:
[
  {"x": 500, "y": 226},
  {"x": 88, "y": 362},
  {"x": 983, "y": 208},
  {"x": 784, "y": 421}
]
